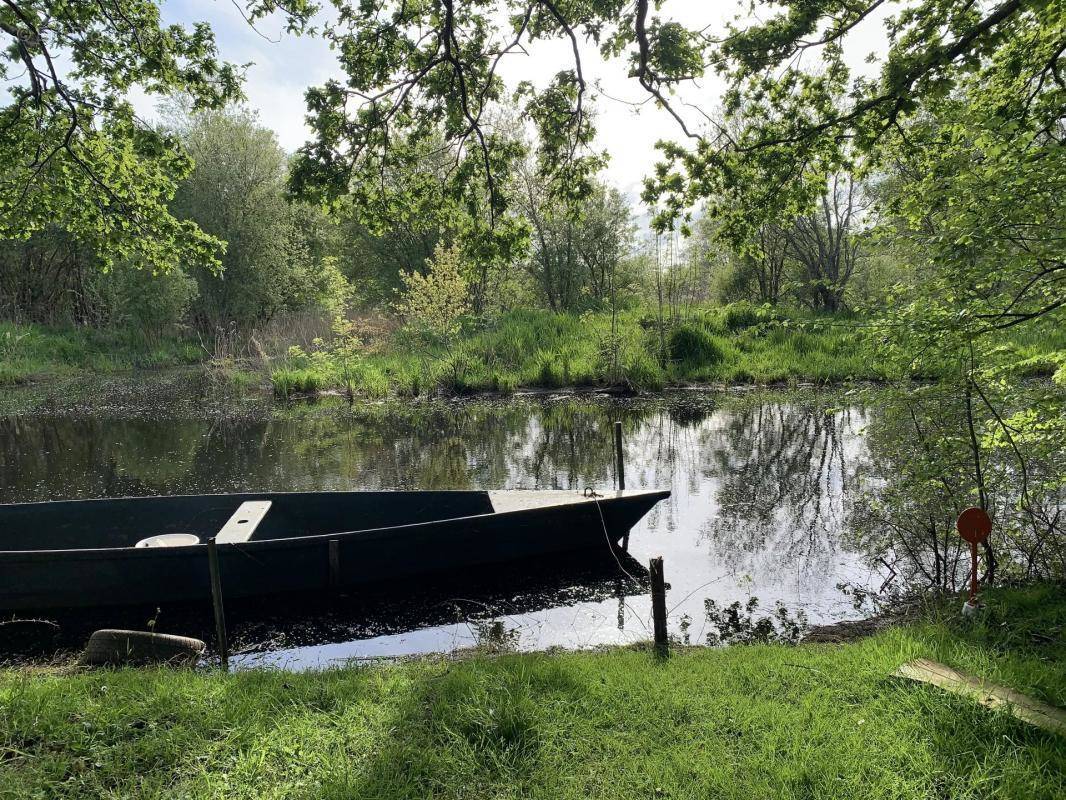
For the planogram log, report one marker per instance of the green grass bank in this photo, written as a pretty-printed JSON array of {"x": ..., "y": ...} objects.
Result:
[
  {"x": 737, "y": 344},
  {"x": 34, "y": 353},
  {"x": 541, "y": 349},
  {"x": 525, "y": 349},
  {"x": 758, "y": 721}
]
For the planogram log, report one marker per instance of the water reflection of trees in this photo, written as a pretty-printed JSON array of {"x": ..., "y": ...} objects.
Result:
[
  {"x": 55, "y": 456},
  {"x": 445, "y": 445},
  {"x": 783, "y": 472},
  {"x": 772, "y": 487}
]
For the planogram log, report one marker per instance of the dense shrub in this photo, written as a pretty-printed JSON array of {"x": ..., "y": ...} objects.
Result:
[
  {"x": 743, "y": 315},
  {"x": 642, "y": 371},
  {"x": 693, "y": 345},
  {"x": 148, "y": 304}
]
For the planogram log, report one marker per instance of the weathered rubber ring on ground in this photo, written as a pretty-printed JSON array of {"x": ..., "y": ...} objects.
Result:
[{"x": 119, "y": 648}]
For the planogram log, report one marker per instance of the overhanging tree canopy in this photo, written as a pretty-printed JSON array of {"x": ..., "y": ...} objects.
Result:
[
  {"x": 420, "y": 64},
  {"x": 792, "y": 114},
  {"x": 72, "y": 149}
]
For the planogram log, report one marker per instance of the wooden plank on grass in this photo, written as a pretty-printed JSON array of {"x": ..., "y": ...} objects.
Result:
[{"x": 987, "y": 694}]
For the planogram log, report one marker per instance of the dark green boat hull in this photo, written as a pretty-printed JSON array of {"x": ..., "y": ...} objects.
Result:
[{"x": 77, "y": 554}]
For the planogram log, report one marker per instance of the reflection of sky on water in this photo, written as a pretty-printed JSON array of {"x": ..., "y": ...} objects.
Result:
[{"x": 758, "y": 506}]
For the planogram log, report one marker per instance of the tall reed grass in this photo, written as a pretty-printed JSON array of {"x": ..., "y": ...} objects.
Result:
[{"x": 541, "y": 349}]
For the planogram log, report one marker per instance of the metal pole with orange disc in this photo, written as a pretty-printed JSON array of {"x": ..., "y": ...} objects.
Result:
[{"x": 973, "y": 525}]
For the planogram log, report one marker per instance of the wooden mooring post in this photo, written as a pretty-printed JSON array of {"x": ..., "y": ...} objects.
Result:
[
  {"x": 216, "y": 600},
  {"x": 658, "y": 605}
]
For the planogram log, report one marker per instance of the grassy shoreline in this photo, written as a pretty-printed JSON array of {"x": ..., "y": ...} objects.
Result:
[
  {"x": 747, "y": 721},
  {"x": 34, "y": 353},
  {"x": 532, "y": 349},
  {"x": 522, "y": 350}
]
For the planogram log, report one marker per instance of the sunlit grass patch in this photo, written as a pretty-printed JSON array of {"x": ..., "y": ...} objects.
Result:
[
  {"x": 290, "y": 381},
  {"x": 826, "y": 721},
  {"x": 542, "y": 349}
]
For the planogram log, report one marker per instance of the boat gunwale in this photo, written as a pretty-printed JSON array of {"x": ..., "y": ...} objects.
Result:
[{"x": 132, "y": 551}]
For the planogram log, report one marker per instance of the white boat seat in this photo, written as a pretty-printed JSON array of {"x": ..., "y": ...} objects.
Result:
[
  {"x": 169, "y": 540},
  {"x": 243, "y": 523}
]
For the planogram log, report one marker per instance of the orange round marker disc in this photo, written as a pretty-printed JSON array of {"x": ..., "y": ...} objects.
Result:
[{"x": 974, "y": 525}]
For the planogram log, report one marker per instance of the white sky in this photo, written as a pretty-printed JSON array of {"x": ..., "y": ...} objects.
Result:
[{"x": 284, "y": 66}]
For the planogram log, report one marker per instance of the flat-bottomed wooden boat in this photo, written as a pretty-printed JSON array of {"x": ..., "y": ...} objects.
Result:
[{"x": 151, "y": 550}]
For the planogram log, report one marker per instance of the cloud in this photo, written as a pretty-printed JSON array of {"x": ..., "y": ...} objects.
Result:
[{"x": 280, "y": 66}]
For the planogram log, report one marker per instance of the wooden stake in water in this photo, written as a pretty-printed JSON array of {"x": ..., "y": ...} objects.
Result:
[
  {"x": 658, "y": 604},
  {"x": 216, "y": 600}
]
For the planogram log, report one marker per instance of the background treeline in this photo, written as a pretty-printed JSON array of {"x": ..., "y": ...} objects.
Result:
[
  {"x": 279, "y": 256},
  {"x": 394, "y": 290}
]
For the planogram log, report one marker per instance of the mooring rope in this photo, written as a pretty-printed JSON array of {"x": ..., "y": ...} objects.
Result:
[
  {"x": 606, "y": 534},
  {"x": 591, "y": 493}
]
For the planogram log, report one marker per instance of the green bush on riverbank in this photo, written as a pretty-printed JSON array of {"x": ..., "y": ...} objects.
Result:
[{"x": 821, "y": 721}]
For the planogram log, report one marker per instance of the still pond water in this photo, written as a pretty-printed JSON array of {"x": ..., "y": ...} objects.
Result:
[{"x": 761, "y": 489}]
